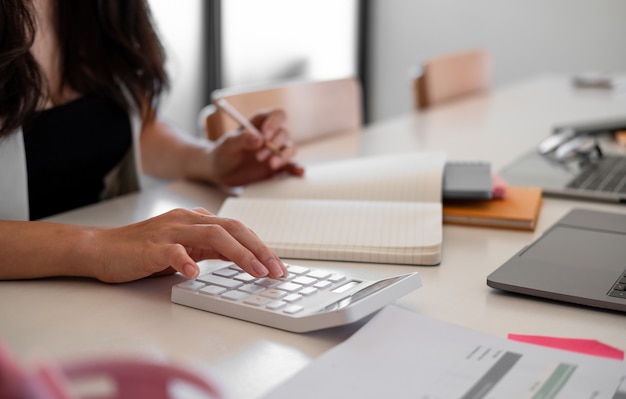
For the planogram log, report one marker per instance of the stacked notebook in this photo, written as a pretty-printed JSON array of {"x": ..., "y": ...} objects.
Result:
[{"x": 516, "y": 208}]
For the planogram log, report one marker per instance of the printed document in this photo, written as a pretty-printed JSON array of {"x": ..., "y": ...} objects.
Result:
[{"x": 401, "y": 354}]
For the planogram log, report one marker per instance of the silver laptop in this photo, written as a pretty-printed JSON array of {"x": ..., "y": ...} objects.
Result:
[
  {"x": 576, "y": 161},
  {"x": 581, "y": 259}
]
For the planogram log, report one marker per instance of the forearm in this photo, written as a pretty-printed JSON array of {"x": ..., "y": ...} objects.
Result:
[
  {"x": 40, "y": 249},
  {"x": 167, "y": 243},
  {"x": 170, "y": 154},
  {"x": 237, "y": 159}
]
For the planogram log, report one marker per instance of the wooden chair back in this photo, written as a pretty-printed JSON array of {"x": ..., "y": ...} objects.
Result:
[
  {"x": 451, "y": 76},
  {"x": 314, "y": 108}
]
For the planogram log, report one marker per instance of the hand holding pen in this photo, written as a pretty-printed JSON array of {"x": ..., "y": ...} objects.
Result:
[
  {"x": 246, "y": 124},
  {"x": 277, "y": 147}
]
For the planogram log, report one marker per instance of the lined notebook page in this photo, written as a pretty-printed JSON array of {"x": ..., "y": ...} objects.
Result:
[
  {"x": 412, "y": 176},
  {"x": 359, "y": 231}
]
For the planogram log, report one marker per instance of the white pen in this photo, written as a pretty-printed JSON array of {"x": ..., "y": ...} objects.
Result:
[{"x": 236, "y": 115}]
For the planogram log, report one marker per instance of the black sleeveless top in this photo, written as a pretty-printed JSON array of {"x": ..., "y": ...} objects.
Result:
[{"x": 69, "y": 151}]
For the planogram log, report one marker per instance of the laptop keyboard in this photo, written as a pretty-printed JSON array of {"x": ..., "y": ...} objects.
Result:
[
  {"x": 607, "y": 174},
  {"x": 619, "y": 288}
]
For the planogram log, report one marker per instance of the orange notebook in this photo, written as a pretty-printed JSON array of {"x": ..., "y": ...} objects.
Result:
[{"x": 519, "y": 209}]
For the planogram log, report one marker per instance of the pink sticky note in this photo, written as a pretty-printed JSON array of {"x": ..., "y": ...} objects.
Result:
[{"x": 586, "y": 346}]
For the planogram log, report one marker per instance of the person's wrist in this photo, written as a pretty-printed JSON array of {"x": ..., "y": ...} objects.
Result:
[
  {"x": 200, "y": 164},
  {"x": 111, "y": 254},
  {"x": 84, "y": 255}
]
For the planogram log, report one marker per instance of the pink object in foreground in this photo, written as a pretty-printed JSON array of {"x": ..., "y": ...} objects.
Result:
[{"x": 128, "y": 378}]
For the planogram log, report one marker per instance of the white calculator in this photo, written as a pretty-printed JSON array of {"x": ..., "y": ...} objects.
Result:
[{"x": 307, "y": 299}]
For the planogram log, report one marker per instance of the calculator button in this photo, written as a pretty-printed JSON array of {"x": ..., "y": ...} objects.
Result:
[
  {"x": 221, "y": 281},
  {"x": 319, "y": 274},
  {"x": 235, "y": 267},
  {"x": 268, "y": 282},
  {"x": 235, "y": 295},
  {"x": 276, "y": 305},
  {"x": 335, "y": 278},
  {"x": 292, "y": 298},
  {"x": 297, "y": 269},
  {"x": 289, "y": 287},
  {"x": 308, "y": 291},
  {"x": 228, "y": 273},
  {"x": 256, "y": 300},
  {"x": 192, "y": 285},
  {"x": 245, "y": 277},
  {"x": 212, "y": 290},
  {"x": 288, "y": 277},
  {"x": 251, "y": 288},
  {"x": 292, "y": 309},
  {"x": 303, "y": 280},
  {"x": 274, "y": 293},
  {"x": 323, "y": 284}
]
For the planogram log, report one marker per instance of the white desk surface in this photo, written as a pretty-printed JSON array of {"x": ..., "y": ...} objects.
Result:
[{"x": 76, "y": 318}]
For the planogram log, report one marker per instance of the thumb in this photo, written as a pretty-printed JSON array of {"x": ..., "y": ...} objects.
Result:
[{"x": 178, "y": 258}]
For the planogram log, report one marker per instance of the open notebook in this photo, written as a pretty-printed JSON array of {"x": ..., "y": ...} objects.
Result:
[{"x": 383, "y": 209}]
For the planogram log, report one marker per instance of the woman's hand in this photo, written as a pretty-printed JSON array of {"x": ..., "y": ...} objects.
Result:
[
  {"x": 175, "y": 241},
  {"x": 241, "y": 157},
  {"x": 237, "y": 158}
]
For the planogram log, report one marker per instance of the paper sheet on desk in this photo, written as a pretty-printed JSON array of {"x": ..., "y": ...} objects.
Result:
[{"x": 400, "y": 354}]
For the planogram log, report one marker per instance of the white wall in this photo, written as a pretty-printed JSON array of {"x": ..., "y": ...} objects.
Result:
[
  {"x": 264, "y": 41},
  {"x": 525, "y": 37},
  {"x": 275, "y": 40},
  {"x": 180, "y": 27}
]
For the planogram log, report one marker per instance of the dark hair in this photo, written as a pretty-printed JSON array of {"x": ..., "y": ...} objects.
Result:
[{"x": 107, "y": 46}]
